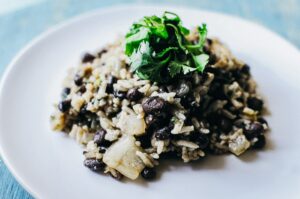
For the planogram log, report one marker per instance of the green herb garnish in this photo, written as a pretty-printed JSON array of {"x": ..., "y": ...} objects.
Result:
[{"x": 158, "y": 48}]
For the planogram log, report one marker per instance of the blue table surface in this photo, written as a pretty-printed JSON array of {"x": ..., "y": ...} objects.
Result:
[{"x": 22, "y": 20}]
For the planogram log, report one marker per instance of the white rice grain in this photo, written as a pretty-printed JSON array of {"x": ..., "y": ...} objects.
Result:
[
  {"x": 77, "y": 102},
  {"x": 188, "y": 144},
  {"x": 186, "y": 129},
  {"x": 147, "y": 160}
]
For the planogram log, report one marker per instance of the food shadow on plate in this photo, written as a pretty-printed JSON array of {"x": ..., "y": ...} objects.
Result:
[
  {"x": 210, "y": 162},
  {"x": 252, "y": 155},
  {"x": 169, "y": 164}
]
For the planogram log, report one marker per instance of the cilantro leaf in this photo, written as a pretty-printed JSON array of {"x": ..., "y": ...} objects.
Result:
[
  {"x": 165, "y": 51},
  {"x": 200, "y": 61},
  {"x": 176, "y": 67},
  {"x": 187, "y": 69},
  {"x": 134, "y": 40},
  {"x": 145, "y": 65},
  {"x": 202, "y": 34},
  {"x": 141, "y": 57},
  {"x": 171, "y": 17},
  {"x": 202, "y": 30},
  {"x": 158, "y": 49}
]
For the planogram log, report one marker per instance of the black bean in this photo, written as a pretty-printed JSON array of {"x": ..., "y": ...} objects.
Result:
[
  {"x": 239, "y": 123},
  {"x": 156, "y": 120},
  {"x": 182, "y": 89},
  {"x": 112, "y": 79},
  {"x": 82, "y": 89},
  {"x": 99, "y": 137},
  {"x": 109, "y": 86},
  {"x": 203, "y": 77},
  {"x": 206, "y": 49},
  {"x": 254, "y": 130},
  {"x": 102, "y": 149},
  {"x": 246, "y": 69},
  {"x": 171, "y": 125},
  {"x": 255, "y": 103},
  {"x": 164, "y": 118},
  {"x": 202, "y": 140},
  {"x": 187, "y": 100},
  {"x": 120, "y": 94},
  {"x": 262, "y": 121},
  {"x": 101, "y": 52},
  {"x": 134, "y": 94},
  {"x": 106, "y": 143},
  {"x": 148, "y": 173},
  {"x": 260, "y": 143},
  {"x": 94, "y": 164},
  {"x": 195, "y": 109},
  {"x": 243, "y": 84},
  {"x": 225, "y": 125},
  {"x": 163, "y": 133},
  {"x": 237, "y": 74},
  {"x": 154, "y": 105},
  {"x": 212, "y": 59},
  {"x": 87, "y": 57},
  {"x": 240, "y": 99},
  {"x": 162, "y": 88},
  {"x": 209, "y": 41},
  {"x": 145, "y": 139},
  {"x": 210, "y": 69},
  {"x": 65, "y": 92},
  {"x": 220, "y": 75},
  {"x": 214, "y": 118},
  {"x": 64, "y": 106},
  {"x": 86, "y": 117},
  {"x": 223, "y": 77},
  {"x": 170, "y": 155},
  {"x": 217, "y": 90},
  {"x": 78, "y": 80},
  {"x": 188, "y": 77}
]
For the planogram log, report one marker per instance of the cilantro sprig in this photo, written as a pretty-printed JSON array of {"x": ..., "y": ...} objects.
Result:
[{"x": 158, "y": 48}]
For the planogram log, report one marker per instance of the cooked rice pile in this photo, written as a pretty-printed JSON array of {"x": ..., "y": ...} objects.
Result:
[{"x": 127, "y": 124}]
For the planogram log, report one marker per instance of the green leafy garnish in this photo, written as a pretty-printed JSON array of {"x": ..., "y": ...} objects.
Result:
[{"x": 158, "y": 48}]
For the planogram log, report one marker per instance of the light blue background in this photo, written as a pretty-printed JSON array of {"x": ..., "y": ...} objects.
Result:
[{"x": 22, "y": 20}]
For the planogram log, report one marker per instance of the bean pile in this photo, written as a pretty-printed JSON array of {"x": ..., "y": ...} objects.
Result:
[{"x": 118, "y": 117}]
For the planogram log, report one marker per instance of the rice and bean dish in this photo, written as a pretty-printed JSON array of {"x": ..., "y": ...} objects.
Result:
[{"x": 161, "y": 91}]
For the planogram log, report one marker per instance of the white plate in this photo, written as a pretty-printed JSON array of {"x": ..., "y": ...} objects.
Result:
[{"x": 49, "y": 165}]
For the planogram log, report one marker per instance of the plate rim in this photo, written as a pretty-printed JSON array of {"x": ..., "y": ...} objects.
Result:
[{"x": 104, "y": 10}]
